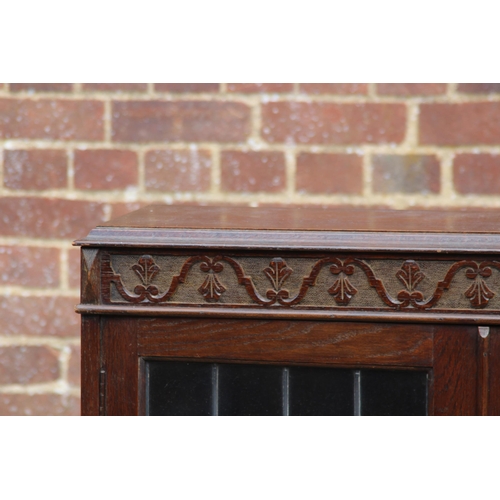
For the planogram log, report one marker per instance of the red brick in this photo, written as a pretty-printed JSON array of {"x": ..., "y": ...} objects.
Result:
[
  {"x": 35, "y": 169},
  {"x": 29, "y": 266},
  {"x": 479, "y": 88},
  {"x": 115, "y": 87},
  {"x": 187, "y": 87},
  {"x": 255, "y": 171},
  {"x": 329, "y": 173},
  {"x": 409, "y": 89},
  {"x": 74, "y": 267},
  {"x": 178, "y": 170},
  {"x": 39, "y": 316},
  {"x": 41, "y": 87},
  {"x": 477, "y": 174},
  {"x": 460, "y": 124},
  {"x": 39, "y": 404},
  {"x": 105, "y": 169},
  {"x": 49, "y": 217},
  {"x": 74, "y": 375},
  {"x": 28, "y": 364},
  {"x": 406, "y": 174},
  {"x": 152, "y": 121},
  {"x": 51, "y": 119},
  {"x": 334, "y": 88},
  {"x": 331, "y": 123},
  {"x": 250, "y": 88}
]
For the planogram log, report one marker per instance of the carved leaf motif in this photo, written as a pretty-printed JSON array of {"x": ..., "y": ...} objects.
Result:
[
  {"x": 479, "y": 294},
  {"x": 146, "y": 269},
  {"x": 212, "y": 288},
  {"x": 342, "y": 291},
  {"x": 277, "y": 272},
  {"x": 410, "y": 275}
]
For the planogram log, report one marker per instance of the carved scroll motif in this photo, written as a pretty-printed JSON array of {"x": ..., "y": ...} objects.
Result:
[{"x": 278, "y": 272}]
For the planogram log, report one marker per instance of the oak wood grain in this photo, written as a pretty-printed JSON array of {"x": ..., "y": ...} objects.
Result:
[
  {"x": 309, "y": 342},
  {"x": 121, "y": 364},
  {"x": 435, "y": 316},
  {"x": 293, "y": 218},
  {"x": 493, "y": 355},
  {"x": 455, "y": 371},
  {"x": 313, "y": 228},
  {"x": 90, "y": 366}
]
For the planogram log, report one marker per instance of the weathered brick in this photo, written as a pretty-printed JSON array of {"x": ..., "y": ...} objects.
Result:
[
  {"x": 178, "y": 170},
  {"x": 329, "y": 173},
  {"x": 39, "y": 404},
  {"x": 28, "y": 364},
  {"x": 41, "y": 87},
  {"x": 254, "y": 171},
  {"x": 152, "y": 121},
  {"x": 334, "y": 88},
  {"x": 49, "y": 217},
  {"x": 187, "y": 87},
  {"x": 409, "y": 89},
  {"x": 35, "y": 169},
  {"x": 105, "y": 169},
  {"x": 39, "y": 316},
  {"x": 51, "y": 119},
  {"x": 332, "y": 123},
  {"x": 406, "y": 174},
  {"x": 479, "y": 88},
  {"x": 460, "y": 124},
  {"x": 29, "y": 266},
  {"x": 115, "y": 87},
  {"x": 250, "y": 88},
  {"x": 74, "y": 370},
  {"x": 477, "y": 174}
]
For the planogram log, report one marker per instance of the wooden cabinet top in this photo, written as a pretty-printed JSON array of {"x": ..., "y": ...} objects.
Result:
[{"x": 308, "y": 228}]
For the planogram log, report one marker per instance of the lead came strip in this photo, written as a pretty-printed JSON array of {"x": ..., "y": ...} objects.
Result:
[
  {"x": 357, "y": 393},
  {"x": 215, "y": 390},
  {"x": 286, "y": 392}
]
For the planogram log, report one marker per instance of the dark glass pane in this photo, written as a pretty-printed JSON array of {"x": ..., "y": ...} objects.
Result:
[
  {"x": 250, "y": 390},
  {"x": 321, "y": 391},
  {"x": 393, "y": 392},
  {"x": 179, "y": 388}
]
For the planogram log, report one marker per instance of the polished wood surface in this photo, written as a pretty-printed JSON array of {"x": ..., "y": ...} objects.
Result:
[
  {"x": 310, "y": 218},
  {"x": 455, "y": 370},
  {"x": 306, "y": 228},
  {"x": 120, "y": 367},
  {"x": 305, "y": 342},
  {"x": 91, "y": 365}
]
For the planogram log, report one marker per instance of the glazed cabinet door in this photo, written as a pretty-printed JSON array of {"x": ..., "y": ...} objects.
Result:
[{"x": 185, "y": 366}]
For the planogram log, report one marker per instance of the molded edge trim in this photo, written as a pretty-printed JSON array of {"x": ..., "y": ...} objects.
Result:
[{"x": 261, "y": 313}]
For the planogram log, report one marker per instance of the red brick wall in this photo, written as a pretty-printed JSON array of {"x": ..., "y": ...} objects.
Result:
[{"x": 74, "y": 155}]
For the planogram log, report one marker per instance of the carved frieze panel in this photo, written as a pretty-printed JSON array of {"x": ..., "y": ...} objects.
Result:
[{"x": 331, "y": 282}]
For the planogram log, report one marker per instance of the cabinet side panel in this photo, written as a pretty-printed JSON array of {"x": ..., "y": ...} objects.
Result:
[
  {"x": 454, "y": 390},
  {"x": 90, "y": 278},
  {"x": 121, "y": 366},
  {"x": 494, "y": 372},
  {"x": 91, "y": 365}
]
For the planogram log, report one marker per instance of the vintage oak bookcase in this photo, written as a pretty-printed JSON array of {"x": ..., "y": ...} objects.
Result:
[{"x": 291, "y": 311}]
